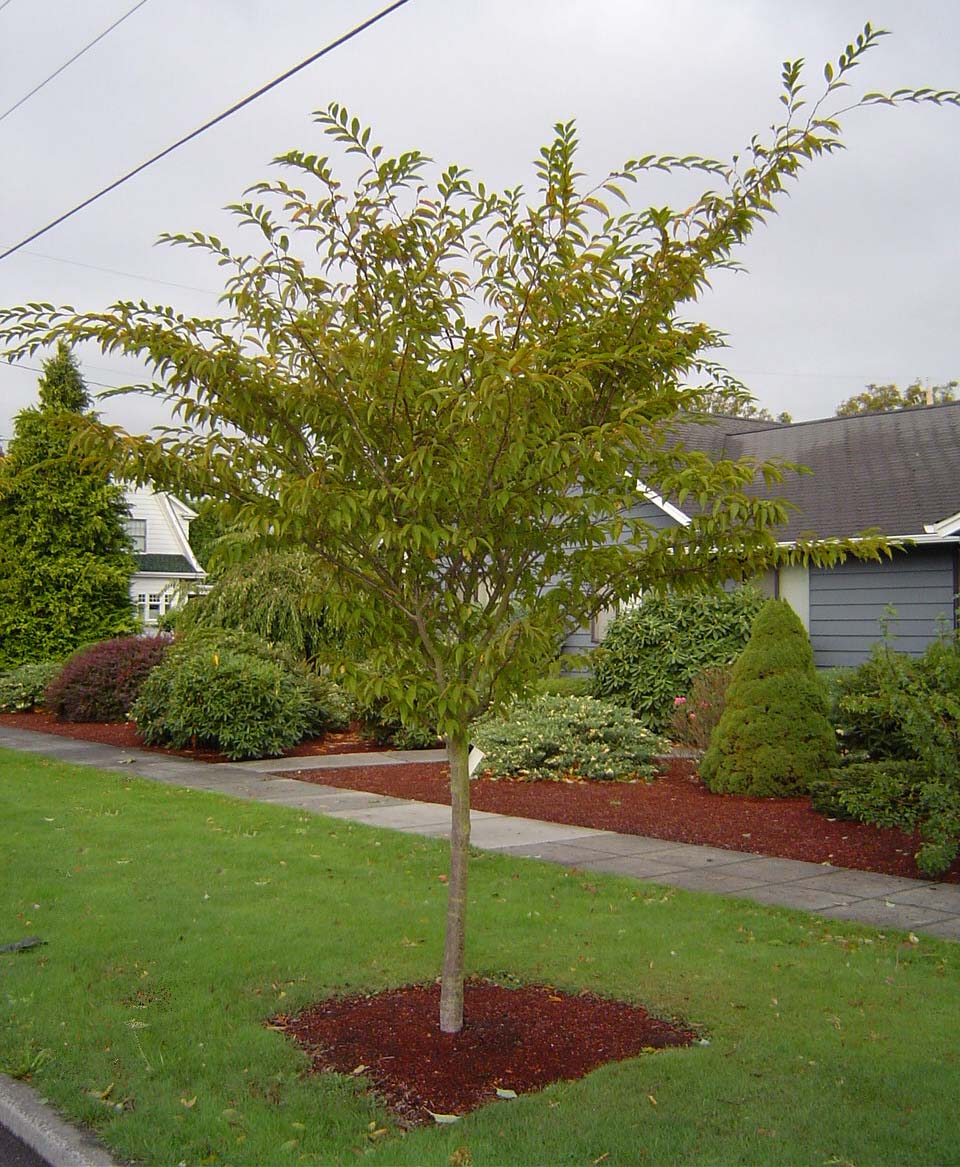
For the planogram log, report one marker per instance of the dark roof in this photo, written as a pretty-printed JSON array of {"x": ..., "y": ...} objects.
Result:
[
  {"x": 894, "y": 471},
  {"x": 166, "y": 565}
]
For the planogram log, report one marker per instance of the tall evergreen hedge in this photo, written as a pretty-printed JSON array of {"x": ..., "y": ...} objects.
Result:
[
  {"x": 65, "y": 560},
  {"x": 774, "y": 737}
]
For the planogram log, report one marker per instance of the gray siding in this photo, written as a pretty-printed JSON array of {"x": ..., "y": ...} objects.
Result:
[
  {"x": 580, "y": 640},
  {"x": 848, "y": 603}
]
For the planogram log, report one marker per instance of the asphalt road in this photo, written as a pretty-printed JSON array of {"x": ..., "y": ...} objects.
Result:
[{"x": 13, "y": 1153}]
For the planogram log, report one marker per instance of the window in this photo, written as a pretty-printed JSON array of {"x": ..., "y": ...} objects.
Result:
[
  {"x": 152, "y": 605},
  {"x": 137, "y": 534}
]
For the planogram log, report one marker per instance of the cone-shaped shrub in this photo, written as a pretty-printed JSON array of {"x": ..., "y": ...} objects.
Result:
[{"x": 774, "y": 737}]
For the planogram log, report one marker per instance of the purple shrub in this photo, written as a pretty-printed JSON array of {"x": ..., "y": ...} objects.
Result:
[{"x": 101, "y": 682}]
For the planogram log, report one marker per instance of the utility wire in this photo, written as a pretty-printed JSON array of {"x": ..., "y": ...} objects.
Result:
[
  {"x": 4, "y": 4},
  {"x": 341, "y": 40},
  {"x": 66, "y": 64},
  {"x": 112, "y": 271}
]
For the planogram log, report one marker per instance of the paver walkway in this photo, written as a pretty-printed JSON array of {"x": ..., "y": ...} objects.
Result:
[{"x": 885, "y": 901}]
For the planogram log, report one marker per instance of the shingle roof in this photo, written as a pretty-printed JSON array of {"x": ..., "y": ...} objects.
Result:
[
  {"x": 166, "y": 565},
  {"x": 893, "y": 471}
]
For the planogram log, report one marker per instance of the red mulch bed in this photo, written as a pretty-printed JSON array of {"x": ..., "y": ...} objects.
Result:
[
  {"x": 123, "y": 735},
  {"x": 676, "y": 806},
  {"x": 517, "y": 1039}
]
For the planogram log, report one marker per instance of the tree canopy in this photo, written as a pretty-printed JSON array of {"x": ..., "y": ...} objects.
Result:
[
  {"x": 456, "y": 398},
  {"x": 890, "y": 398},
  {"x": 65, "y": 562}
]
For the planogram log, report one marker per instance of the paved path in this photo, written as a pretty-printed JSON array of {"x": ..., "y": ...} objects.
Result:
[{"x": 885, "y": 901}]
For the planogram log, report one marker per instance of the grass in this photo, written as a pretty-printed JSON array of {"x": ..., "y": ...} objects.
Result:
[{"x": 176, "y": 922}]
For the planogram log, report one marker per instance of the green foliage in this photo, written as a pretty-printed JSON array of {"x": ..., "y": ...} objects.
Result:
[
  {"x": 101, "y": 683},
  {"x": 697, "y": 713},
  {"x": 651, "y": 654},
  {"x": 278, "y": 596},
  {"x": 903, "y": 716},
  {"x": 65, "y": 564},
  {"x": 890, "y": 398},
  {"x": 774, "y": 737},
  {"x": 24, "y": 687},
  {"x": 557, "y": 737},
  {"x": 578, "y": 685},
  {"x": 245, "y": 704}
]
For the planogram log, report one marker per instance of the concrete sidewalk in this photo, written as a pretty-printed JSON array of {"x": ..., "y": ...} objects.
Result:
[{"x": 885, "y": 901}]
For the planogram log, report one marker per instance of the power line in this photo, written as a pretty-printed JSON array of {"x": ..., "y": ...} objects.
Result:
[
  {"x": 66, "y": 64},
  {"x": 112, "y": 271},
  {"x": 4, "y": 4},
  {"x": 341, "y": 40}
]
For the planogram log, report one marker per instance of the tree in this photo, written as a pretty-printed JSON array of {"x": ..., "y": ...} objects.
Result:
[
  {"x": 448, "y": 394},
  {"x": 727, "y": 404},
  {"x": 890, "y": 398},
  {"x": 774, "y": 737},
  {"x": 66, "y": 562}
]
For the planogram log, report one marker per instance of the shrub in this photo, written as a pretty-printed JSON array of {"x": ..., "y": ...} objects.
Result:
[
  {"x": 244, "y": 705},
  {"x": 100, "y": 683},
  {"x": 774, "y": 737},
  {"x": 696, "y": 714},
  {"x": 566, "y": 685},
  {"x": 898, "y": 793},
  {"x": 652, "y": 653},
  {"x": 24, "y": 687},
  {"x": 555, "y": 737},
  {"x": 386, "y": 729}
]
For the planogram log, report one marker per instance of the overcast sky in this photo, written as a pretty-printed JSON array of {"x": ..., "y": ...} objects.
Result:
[{"x": 855, "y": 281}]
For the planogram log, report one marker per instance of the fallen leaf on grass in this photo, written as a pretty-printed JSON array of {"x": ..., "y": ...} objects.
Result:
[
  {"x": 189, "y": 1103},
  {"x": 502, "y": 1093},
  {"x": 444, "y": 1119}
]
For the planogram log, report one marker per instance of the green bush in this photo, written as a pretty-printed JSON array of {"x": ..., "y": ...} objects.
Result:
[
  {"x": 651, "y": 654},
  {"x": 899, "y": 719},
  {"x": 234, "y": 692},
  {"x": 243, "y": 706},
  {"x": 899, "y": 793},
  {"x": 556, "y": 737},
  {"x": 23, "y": 688},
  {"x": 774, "y": 737},
  {"x": 568, "y": 685},
  {"x": 697, "y": 713},
  {"x": 386, "y": 729}
]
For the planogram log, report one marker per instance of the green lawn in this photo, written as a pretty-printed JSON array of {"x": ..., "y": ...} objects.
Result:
[{"x": 176, "y": 922}]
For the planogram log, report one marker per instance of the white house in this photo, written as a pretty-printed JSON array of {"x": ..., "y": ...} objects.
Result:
[{"x": 159, "y": 527}]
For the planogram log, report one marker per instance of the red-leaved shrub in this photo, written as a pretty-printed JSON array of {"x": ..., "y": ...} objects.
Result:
[{"x": 101, "y": 682}]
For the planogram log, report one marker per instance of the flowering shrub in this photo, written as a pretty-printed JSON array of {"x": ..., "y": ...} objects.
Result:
[
  {"x": 695, "y": 715},
  {"x": 555, "y": 737},
  {"x": 23, "y": 688},
  {"x": 100, "y": 683}
]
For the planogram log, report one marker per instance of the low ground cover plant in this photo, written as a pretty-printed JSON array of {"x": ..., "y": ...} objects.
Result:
[
  {"x": 899, "y": 721},
  {"x": 556, "y": 737},
  {"x": 651, "y": 654},
  {"x": 774, "y": 737},
  {"x": 23, "y": 688},
  {"x": 101, "y": 683}
]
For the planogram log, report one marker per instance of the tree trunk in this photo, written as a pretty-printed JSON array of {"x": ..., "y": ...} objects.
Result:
[{"x": 451, "y": 980}]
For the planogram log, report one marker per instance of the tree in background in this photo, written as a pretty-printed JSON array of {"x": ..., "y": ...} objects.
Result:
[
  {"x": 890, "y": 398},
  {"x": 727, "y": 404},
  {"x": 66, "y": 562},
  {"x": 447, "y": 394}
]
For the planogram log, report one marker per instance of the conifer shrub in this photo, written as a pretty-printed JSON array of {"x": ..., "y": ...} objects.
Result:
[
  {"x": 651, "y": 654},
  {"x": 101, "y": 683},
  {"x": 23, "y": 688},
  {"x": 556, "y": 737},
  {"x": 774, "y": 737}
]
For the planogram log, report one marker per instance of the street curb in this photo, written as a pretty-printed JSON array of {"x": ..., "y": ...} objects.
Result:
[{"x": 25, "y": 1115}]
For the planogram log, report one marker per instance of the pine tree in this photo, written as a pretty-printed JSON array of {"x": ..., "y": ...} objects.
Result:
[
  {"x": 774, "y": 737},
  {"x": 65, "y": 560}
]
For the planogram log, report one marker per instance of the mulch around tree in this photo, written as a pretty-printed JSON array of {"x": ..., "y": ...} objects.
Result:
[{"x": 514, "y": 1040}]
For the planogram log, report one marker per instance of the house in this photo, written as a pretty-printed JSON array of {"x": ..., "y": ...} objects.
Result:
[
  {"x": 897, "y": 473},
  {"x": 159, "y": 527}
]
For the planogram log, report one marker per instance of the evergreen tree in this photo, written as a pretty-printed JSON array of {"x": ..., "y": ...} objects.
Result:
[
  {"x": 65, "y": 561},
  {"x": 774, "y": 737}
]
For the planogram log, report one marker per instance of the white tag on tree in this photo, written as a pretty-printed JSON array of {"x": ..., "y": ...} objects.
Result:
[{"x": 474, "y": 758}]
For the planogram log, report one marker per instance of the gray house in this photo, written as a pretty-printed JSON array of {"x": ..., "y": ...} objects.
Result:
[{"x": 898, "y": 473}]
